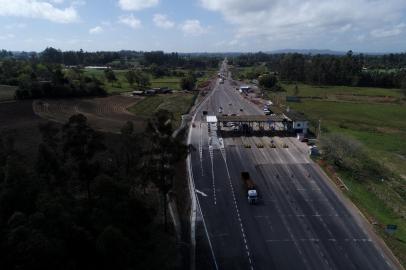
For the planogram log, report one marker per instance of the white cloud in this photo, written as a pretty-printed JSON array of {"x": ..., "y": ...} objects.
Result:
[
  {"x": 95, "y": 30},
  {"x": 130, "y": 21},
  {"x": 162, "y": 21},
  {"x": 308, "y": 21},
  {"x": 15, "y": 26},
  {"x": 7, "y": 36},
  {"x": 38, "y": 9},
  {"x": 78, "y": 3},
  {"x": 388, "y": 32},
  {"x": 137, "y": 4},
  {"x": 192, "y": 28}
]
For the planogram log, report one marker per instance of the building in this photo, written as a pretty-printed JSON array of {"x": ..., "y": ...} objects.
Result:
[{"x": 299, "y": 123}]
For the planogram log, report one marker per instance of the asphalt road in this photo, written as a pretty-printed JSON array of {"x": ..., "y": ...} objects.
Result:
[{"x": 300, "y": 222}]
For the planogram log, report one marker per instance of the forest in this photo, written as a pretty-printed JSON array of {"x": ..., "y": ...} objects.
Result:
[
  {"x": 385, "y": 71},
  {"x": 89, "y": 201}
]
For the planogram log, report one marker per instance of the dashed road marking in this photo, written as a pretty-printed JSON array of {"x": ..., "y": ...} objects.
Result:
[
  {"x": 212, "y": 175},
  {"x": 244, "y": 237}
]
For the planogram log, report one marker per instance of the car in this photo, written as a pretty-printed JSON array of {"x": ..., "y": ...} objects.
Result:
[
  {"x": 241, "y": 109},
  {"x": 230, "y": 104},
  {"x": 234, "y": 114}
]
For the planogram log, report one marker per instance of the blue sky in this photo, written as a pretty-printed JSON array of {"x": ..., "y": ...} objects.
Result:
[{"x": 203, "y": 25}]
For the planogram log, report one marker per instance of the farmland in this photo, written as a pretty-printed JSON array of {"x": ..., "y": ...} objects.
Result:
[
  {"x": 377, "y": 119},
  {"x": 105, "y": 114}
]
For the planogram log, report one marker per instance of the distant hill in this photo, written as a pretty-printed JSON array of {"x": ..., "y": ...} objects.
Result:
[{"x": 309, "y": 51}]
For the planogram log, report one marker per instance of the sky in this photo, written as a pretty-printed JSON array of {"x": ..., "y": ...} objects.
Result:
[{"x": 203, "y": 25}]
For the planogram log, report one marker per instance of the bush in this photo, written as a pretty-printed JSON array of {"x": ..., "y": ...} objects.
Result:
[{"x": 349, "y": 155}]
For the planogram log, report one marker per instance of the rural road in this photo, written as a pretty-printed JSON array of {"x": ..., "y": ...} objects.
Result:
[{"x": 300, "y": 223}]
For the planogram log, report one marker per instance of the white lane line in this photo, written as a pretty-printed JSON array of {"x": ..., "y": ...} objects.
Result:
[
  {"x": 247, "y": 250},
  {"x": 208, "y": 237},
  {"x": 201, "y": 193},
  {"x": 201, "y": 149},
  {"x": 195, "y": 200},
  {"x": 212, "y": 175}
]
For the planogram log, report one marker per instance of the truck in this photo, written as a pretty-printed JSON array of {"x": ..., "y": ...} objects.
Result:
[{"x": 252, "y": 194}]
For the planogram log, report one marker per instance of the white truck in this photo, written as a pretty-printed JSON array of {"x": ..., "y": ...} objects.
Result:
[{"x": 252, "y": 194}]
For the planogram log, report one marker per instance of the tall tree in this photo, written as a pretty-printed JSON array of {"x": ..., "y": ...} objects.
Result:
[
  {"x": 165, "y": 152},
  {"x": 130, "y": 76},
  {"x": 80, "y": 144},
  {"x": 110, "y": 75}
]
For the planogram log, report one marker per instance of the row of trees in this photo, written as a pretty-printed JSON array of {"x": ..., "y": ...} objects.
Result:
[
  {"x": 87, "y": 204},
  {"x": 350, "y": 69},
  {"x": 120, "y": 59},
  {"x": 36, "y": 80}
]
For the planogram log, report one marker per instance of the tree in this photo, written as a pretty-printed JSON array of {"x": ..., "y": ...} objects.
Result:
[
  {"x": 110, "y": 75},
  {"x": 51, "y": 55},
  {"x": 80, "y": 144},
  {"x": 142, "y": 80},
  {"x": 267, "y": 81},
  {"x": 349, "y": 154},
  {"x": 131, "y": 77},
  {"x": 164, "y": 152},
  {"x": 188, "y": 82},
  {"x": 296, "y": 90}
]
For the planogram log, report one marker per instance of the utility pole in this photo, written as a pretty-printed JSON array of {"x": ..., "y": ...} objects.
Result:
[{"x": 319, "y": 131}]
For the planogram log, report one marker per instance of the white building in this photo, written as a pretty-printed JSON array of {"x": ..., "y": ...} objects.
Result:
[{"x": 299, "y": 122}]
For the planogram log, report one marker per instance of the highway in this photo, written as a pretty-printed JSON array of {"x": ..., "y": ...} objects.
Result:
[{"x": 301, "y": 220}]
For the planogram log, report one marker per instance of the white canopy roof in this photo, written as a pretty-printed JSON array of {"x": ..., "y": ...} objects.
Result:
[{"x": 211, "y": 119}]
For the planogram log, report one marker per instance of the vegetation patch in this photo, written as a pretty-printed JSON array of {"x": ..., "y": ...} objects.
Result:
[
  {"x": 7, "y": 92},
  {"x": 178, "y": 103}
]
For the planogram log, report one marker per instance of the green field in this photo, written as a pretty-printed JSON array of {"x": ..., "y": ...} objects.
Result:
[
  {"x": 330, "y": 91},
  {"x": 7, "y": 92},
  {"x": 381, "y": 127},
  {"x": 178, "y": 103}
]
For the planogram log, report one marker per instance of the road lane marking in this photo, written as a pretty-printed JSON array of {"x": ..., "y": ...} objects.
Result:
[
  {"x": 244, "y": 237},
  {"x": 201, "y": 193},
  {"x": 212, "y": 175}
]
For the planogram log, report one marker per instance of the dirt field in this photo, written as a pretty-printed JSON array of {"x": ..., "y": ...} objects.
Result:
[
  {"x": 19, "y": 122},
  {"x": 104, "y": 114}
]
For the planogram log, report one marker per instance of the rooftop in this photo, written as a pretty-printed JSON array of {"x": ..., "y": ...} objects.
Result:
[
  {"x": 250, "y": 118},
  {"x": 295, "y": 116}
]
